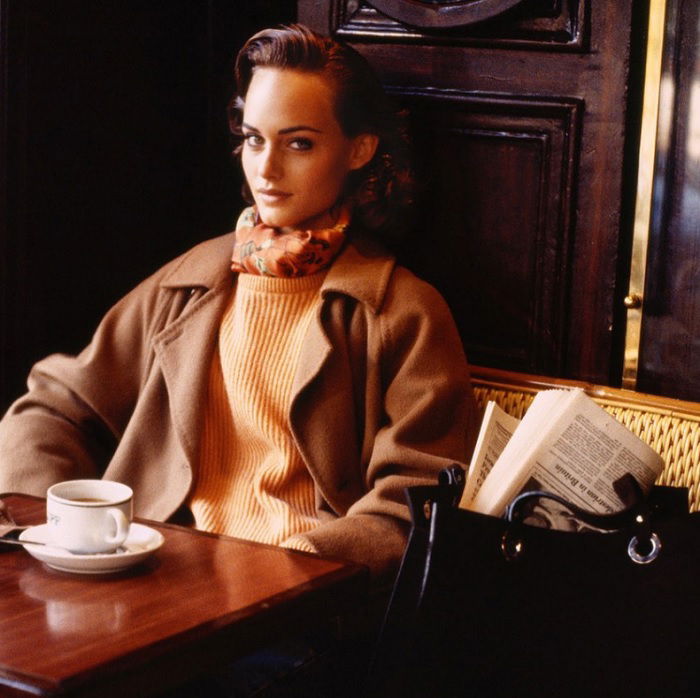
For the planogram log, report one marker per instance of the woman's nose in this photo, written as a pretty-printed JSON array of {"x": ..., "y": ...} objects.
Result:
[{"x": 270, "y": 165}]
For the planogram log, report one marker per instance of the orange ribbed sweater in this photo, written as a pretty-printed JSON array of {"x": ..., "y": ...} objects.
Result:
[{"x": 252, "y": 482}]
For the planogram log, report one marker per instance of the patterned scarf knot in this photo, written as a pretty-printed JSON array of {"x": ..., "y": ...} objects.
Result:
[{"x": 266, "y": 251}]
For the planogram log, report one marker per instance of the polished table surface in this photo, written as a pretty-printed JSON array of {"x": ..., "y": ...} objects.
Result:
[{"x": 200, "y": 600}]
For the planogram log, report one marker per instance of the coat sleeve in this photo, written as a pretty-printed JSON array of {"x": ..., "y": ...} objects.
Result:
[{"x": 426, "y": 421}]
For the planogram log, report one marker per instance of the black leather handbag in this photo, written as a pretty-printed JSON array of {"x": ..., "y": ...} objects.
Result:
[{"x": 487, "y": 606}]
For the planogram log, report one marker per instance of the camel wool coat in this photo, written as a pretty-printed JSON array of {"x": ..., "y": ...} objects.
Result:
[{"x": 382, "y": 398}]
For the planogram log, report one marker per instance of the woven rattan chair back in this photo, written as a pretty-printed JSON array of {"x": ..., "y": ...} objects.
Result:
[{"x": 671, "y": 427}]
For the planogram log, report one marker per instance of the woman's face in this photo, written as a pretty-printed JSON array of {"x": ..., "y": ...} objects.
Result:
[{"x": 295, "y": 155}]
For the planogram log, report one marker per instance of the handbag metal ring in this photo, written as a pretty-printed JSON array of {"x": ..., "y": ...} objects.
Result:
[
  {"x": 644, "y": 559},
  {"x": 511, "y": 546}
]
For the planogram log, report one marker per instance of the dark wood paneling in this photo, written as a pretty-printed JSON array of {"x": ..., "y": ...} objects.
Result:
[
  {"x": 530, "y": 174},
  {"x": 508, "y": 292}
]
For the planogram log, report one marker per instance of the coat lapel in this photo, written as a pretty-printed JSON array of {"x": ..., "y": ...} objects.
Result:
[
  {"x": 324, "y": 416},
  {"x": 186, "y": 346},
  {"x": 185, "y": 351}
]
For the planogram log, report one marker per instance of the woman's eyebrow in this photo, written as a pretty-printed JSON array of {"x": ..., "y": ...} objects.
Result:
[
  {"x": 284, "y": 131},
  {"x": 292, "y": 129}
]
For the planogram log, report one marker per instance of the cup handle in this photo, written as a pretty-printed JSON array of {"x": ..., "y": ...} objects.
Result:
[{"x": 122, "y": 524}]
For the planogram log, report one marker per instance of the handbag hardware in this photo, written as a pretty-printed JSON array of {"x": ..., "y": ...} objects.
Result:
[
  {"x": 644, "y": 545},
  {"x": 644, "y": 558}
]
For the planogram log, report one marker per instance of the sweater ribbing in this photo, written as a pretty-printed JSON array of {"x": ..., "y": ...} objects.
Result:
[{"x": 252, "y": 482}]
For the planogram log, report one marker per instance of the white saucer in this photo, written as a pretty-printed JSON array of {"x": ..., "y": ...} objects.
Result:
[{"x": 141, "y": 542}]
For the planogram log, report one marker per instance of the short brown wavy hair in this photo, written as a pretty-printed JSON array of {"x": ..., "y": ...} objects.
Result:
[{"x": 381, "y": 190}]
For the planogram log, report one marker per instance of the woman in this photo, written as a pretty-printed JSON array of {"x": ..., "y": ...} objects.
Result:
[{"x": 290, "y": 392}]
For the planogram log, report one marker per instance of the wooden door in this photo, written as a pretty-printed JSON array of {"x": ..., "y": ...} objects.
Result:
[{"x": 523, "y": 113}]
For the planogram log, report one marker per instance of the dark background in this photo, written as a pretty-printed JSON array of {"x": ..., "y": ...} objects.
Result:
[{"x": 115, "y": 155}]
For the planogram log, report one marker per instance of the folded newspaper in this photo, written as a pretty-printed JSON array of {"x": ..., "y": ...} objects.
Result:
[{"x": 566, "y": 444}]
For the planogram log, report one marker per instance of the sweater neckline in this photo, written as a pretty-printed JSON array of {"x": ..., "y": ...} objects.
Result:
[{"x": 283, "y": 285}]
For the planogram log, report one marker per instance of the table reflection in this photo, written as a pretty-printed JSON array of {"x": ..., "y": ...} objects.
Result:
[{"x": 88, "y": 615}]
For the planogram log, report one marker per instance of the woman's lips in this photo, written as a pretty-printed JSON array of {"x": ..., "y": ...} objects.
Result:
[{"x": 273, "y": 196}]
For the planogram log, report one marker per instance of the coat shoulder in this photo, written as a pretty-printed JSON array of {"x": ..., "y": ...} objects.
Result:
[{"x": 406, "y": 289}]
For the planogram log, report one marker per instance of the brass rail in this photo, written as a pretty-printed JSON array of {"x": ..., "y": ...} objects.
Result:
[{"x": 634, "y": 301}]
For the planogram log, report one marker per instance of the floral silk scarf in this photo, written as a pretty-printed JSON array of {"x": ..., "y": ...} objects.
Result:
[{"x": 267, "y": 251}]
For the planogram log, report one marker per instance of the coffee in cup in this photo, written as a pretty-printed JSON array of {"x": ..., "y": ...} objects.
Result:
[{"x": 89, "y": 516}]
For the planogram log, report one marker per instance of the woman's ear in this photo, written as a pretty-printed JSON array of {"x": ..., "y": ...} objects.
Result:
[{"x": 363, "y": 149}]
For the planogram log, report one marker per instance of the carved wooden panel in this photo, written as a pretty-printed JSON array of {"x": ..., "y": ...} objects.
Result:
[
  {"x": 558, "y": 25},
  {"x": 502, "y": 164},
  {"x": 526, "y": 128}
]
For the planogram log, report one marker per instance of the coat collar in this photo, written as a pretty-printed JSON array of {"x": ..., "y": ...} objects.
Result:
[
  {"x": 362, "y": 270},
  {"x": 205, "y": 266}
]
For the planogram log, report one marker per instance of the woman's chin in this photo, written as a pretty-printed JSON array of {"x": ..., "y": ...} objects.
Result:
[{"x": 275, "y": 220}]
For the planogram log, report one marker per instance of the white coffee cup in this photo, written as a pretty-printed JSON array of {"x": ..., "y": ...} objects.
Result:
[{"x": 89, "y": 516}]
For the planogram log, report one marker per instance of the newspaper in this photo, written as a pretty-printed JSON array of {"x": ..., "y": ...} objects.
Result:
[{"x": 566, "y": 444}]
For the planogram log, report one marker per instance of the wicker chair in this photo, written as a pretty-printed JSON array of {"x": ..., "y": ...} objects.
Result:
[{"x": 671, "y": 427}]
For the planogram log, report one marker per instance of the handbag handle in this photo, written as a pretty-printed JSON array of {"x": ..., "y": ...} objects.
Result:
[
  {"x": 644, "y": 544},
  {"x": 627, "y": 488}
]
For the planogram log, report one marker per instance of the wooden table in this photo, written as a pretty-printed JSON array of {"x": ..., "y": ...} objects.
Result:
[{"x": 199, "y": 601}]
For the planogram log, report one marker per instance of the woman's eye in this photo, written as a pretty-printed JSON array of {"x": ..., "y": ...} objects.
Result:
[
  {"x": 302, "y": 144},
  {"x": 253, "y": 139}
]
